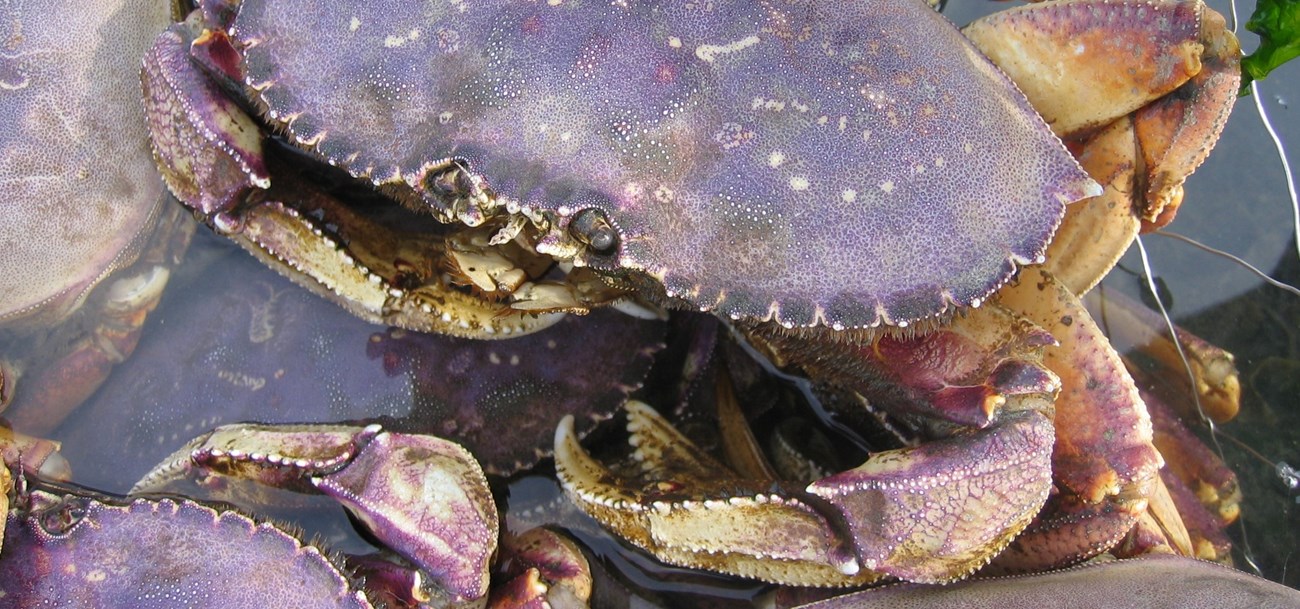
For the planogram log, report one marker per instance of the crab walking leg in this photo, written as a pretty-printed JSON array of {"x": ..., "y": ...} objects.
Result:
[
  {"x": 1197, "y": 467},
  {"x": 1215, "y": 384},
  {"x": 1104, "y": 457},
  {"x": 211, "y": 155},
  {"x": 1097, "y": 231},
  {"x": 1082, "y": 63}
]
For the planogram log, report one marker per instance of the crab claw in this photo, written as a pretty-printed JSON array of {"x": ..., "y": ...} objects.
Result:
[
  {"x": 918, "y": 515},
  {"x": 1141, "y": 90},
  {"x": 212, "y": 156},
  {"x": 424, "y": 497},
  {"x": 894, "y": 515},
  {"x": 543, "y": 568},
  {"x": 695, "y": 512}
]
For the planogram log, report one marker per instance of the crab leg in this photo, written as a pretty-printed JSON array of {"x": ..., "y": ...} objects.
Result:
[
  {"x": 1214, "y": 382},
  {"x": 49, "y": 392},
  {"x": 937, "y": 512},
  {"x": 1096, "y": 232},
  {"x": 1167, "y": 69},
  {"x": 1104, "y": 455},
  {"x": 1078, "y": 61}
]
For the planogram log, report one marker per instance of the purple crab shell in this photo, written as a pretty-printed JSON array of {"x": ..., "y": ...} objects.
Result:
[
  {"x": 175, "y": 554},
  {"x": 840, "y": 163},
  {"x": 75, "y": 168}
]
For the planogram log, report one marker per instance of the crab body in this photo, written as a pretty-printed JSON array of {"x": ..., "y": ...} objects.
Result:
[
  {"x": 75, "y": 170},
  {"x": 636, "y": 140}
]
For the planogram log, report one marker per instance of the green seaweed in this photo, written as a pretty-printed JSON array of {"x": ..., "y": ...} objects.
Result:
[{"x": 1277, "y": 22}]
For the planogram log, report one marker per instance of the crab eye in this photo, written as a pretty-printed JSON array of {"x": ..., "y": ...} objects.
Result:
[
  {"x": 591, "y": 227},
  {"x": 451, "y": 181}
]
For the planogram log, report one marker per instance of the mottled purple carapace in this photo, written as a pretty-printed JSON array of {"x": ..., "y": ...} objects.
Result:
[{"x": 837, "y": 163}]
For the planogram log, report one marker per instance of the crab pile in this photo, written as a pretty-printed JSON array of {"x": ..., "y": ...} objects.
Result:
[{"x": 543, "y": 205}]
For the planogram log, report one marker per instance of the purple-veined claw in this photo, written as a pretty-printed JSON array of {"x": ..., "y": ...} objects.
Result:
[
  {"x": 427, "y": 499},
  {"x": 935, "y": 512},
  {"x": 424, "y": 497},
  {"x": 208, "y": 148},
  {"x": 690, "y": 510},
  {"x": 940, "y": 511}
]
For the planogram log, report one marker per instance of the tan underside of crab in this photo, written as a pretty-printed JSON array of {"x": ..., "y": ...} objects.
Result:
[{"x": 1080, "y": 72}]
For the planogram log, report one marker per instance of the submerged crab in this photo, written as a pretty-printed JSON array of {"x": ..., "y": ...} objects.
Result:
[
  {"x": 834, "y": 169},
  {"x": 75, "y": 171}
]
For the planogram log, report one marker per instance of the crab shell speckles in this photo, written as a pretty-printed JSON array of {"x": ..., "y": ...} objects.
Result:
[
  {"x": 851, "y": 165},
  {"x": 72, "y": 171}
]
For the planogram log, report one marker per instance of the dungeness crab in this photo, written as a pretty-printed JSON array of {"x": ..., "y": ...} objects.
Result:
[
  {"x": 821, "y": 176},
  {"x": 75, "y": 171}
]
